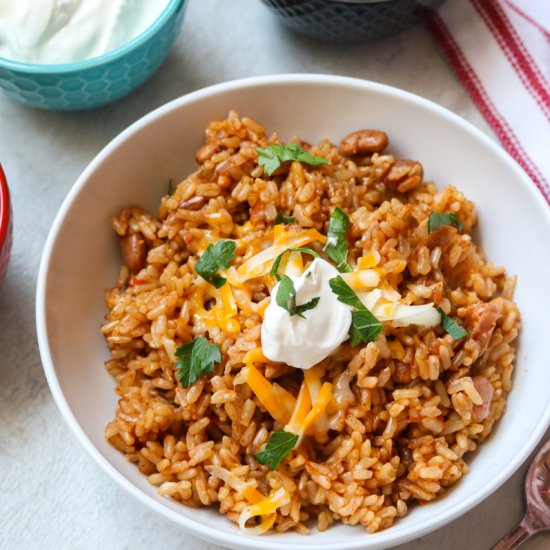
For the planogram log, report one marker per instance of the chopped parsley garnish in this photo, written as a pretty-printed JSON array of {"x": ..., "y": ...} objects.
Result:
[
  {"x": 345, "y": 293},
  {"x": 196, "y": 359},
  {"x": 171, "y": 187},
  {"x": 216, "y": 256},
  {"x": 286, "y": 298},
  {"x": 365, "y": 327},
  {"x": 278, "y": 259},
  {"x": 279, "y": 218},
  {"x": 452, "y": 327},
  {"x": 437, "y": 219},
  {"x": 279, "y": 445},
  {"x": 273, "y": 155},
  {"x": 337, "y": 245},
  {"x": 285, "y": 292}
]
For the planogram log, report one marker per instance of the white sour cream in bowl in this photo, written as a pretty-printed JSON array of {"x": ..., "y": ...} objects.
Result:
[
  {"x": 64, "y": 31},
  {"x": 303, "y": 341}
]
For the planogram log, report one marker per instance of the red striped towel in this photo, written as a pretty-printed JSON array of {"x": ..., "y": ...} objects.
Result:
[{"x": 500, "y": 50}]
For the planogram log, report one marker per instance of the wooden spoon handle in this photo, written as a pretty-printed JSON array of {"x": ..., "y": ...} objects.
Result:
[{"x": 517, "y": 536}]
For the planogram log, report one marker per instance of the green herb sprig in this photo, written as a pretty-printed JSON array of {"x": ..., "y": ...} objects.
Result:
[
  {"x": 216, "y": 256},
  {"x": 171, "y": 187},
  {"x": 273, "y": 155},
  {"x": 279, "y": 218},
  {"x": 365, "y": 327},
  {"x": 437, "y": 219},
  {"x": 337, "y": 245},
  {"x": 286, "y": 298},
  {"x": 196, "y": 359},
  {"x": 452, "y": 327},
  {"x": 279, "y": 445}
]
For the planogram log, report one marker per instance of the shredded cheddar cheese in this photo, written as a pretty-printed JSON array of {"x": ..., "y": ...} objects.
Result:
[
  {"x": 312, "y": 378},
  {"x": 368, "y": 260},
  {"x": 279, "y": 403},
  {"x": 364, "y": 278},
  {"x": 260, "y": 264},
  {"x": 318, "y": 407},
  {"x": 294, "y": 264},
  {"x": 260, "y": 505},
  {"x": 301, "y": 410},
  {"x": 306, "y": 415},
  {"x": 266, "y": 508}
]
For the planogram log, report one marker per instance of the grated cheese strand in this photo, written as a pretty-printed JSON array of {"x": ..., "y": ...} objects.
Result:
[
  {"x": 260, "y": 264},
  {"x": 364, "y": 278},
  {"x": 249, "y": 492},
  {"x": 301, "y": 410},
  {"x": 278, "y": 402},
  {"x": 267, "y": 507},
  {"x": 246, "y": 489},
  {"x": 319, "y": 406},
  {"x": 294, "y": 264},
  {"x": 313, "y": 379}
]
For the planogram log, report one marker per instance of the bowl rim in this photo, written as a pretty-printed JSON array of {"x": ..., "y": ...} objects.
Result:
[
  {"x": 76, "y": 66},
  {"x": 4, "y": 206},
  {"x": 386, "y": 538}
]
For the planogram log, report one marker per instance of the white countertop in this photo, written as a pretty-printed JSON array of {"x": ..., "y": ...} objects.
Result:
[{"x": 52, "y": 496}]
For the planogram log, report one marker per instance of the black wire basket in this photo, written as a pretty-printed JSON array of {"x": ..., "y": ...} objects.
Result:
[{"x": 348, "y": 20}]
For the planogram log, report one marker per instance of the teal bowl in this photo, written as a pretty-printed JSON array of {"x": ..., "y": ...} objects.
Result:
[{"x": 96, "y": 81}]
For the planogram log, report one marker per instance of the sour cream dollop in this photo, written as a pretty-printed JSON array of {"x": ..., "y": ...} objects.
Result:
[
  {"x": 62, "y": 31},
  {"x": 305, "y": 341}
]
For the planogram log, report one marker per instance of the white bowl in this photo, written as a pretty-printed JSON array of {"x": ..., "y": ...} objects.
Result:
[{"x": 81, "y": 259}]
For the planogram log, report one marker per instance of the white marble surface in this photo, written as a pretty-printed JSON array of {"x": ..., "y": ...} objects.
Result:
[{"x": 52, "y": 496}]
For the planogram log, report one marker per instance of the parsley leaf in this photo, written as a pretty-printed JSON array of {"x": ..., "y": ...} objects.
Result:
[
  {"x": 275, "y": 267},
  {"x": 279, "y": 218},
  {"x": 365, "y": 327},
  {"x": 171, "y": 187},
  {"x": 437, "y": 219},
  {"x": 196, "y": 359},
  {"x": 337, "y": 246},
  {"x": 215, "y": 257},
  {"x": 452, "y": 327},
  {"x": 286, "y": 298},
  {"x": 279, "y": 445},
  {"x": 285, "y": 292},
  {"x": 273, "y": 155},
  {"x": 345, "y": 293},
  {"x": 298, "y": 310}
]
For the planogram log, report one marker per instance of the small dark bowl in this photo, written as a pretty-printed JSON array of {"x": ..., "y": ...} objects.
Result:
[
  {"x": 347, "y": 20},
  {"x": 5, "y": 225}
]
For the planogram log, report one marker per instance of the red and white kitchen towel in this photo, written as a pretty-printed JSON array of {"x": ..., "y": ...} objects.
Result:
[{"x": 500, "y": 50}]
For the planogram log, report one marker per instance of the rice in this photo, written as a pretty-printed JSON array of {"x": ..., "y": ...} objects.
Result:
[{"x": 413, "y": 403}]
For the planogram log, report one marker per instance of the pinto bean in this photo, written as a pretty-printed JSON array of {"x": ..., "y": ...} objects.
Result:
[
  {"x": 134, "y": 251},
  {"x": 363, "y": 142},
  {"x": 483, "y": 319},
  {"x": 486, "y": 391},
  {"x": 207, "y": 151},
  {"x": 230, "y": 169},
  {"x": 442, "y": 237},
  {"x": 402, "y": 374},
  {"x": 194, "y": 203},
  {"x": 404, "y": 175}
]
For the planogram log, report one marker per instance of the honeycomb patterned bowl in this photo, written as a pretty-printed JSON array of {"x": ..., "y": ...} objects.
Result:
[
  {"x": 347, "y": 20},
  {"x": 5, "y": 225},
  {"x": 96, "y": 81}
]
